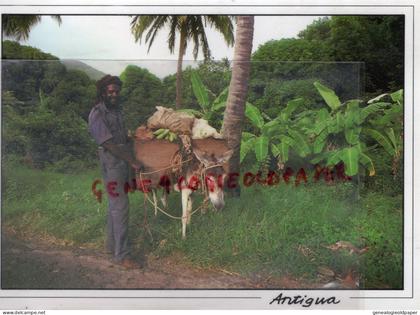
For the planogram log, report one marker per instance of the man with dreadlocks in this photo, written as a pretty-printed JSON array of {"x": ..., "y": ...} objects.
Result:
[{"x": 116, "y": 156}]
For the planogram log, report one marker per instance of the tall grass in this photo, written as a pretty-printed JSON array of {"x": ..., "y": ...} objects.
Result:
[{"x": 279, "y": 230}]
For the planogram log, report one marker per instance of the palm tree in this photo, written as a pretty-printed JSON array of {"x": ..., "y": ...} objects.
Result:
[
  {"x": 19, "y": 26},
  {"x": 238, "y": 89},
  {"x": 189, "y": 27}
]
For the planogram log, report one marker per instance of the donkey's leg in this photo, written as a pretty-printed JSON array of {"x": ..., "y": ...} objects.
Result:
[
  {"x": 185, "y": 193},
  {"x": 154, "y": 201},
  {"x": 164, "y": 200},
  {"x": 189, "y": 209}
]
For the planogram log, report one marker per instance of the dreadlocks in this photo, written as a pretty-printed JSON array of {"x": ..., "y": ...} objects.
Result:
[{"x": 103, "y": 83}]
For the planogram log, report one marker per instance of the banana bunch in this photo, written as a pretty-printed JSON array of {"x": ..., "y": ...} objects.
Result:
[{"x": 165, "y": 134}]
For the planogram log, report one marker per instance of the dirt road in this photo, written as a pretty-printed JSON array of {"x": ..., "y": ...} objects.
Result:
[{"x": 35, "y": 264}]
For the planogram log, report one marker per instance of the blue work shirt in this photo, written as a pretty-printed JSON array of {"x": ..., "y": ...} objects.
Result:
[{"x": 107, "y": 124}]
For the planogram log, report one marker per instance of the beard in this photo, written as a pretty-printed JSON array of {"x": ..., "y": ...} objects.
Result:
[{"x": 112, "y": 101}]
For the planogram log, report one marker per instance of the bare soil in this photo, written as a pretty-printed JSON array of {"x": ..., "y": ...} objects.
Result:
[{"x": 35, "y": 263}]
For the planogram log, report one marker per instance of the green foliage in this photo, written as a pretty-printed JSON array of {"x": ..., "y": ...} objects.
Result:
[
  {"x": 328, "y": 95},
  {"x": 275, "y": 137},
  {"x": 286, "y": 69},
  {"x": 189, "y": 27},
  {"x": 52, "y": 138},
  {"x": 290, "y": 50},
  {"x": 45, "y": 110},
  {"x": 141, "y": 92},
  {"x": 343, "y": 120},
  {"x": 215, "y": 76},
  {"x": 317, "y": 55},
  {"x": 277, "y": 93},
  {"x": 93, "y": 73},
  {"x": 75, "y": 92},
  {"x": 13, "y": 140},
  {"x": 376, "y": 40},
  {"x": 330, "y": 137},
  {"x": 13, "y": 50},
  {"x": 386, "y": 181},
  {"x": 254, "y": 115},
  {"x": 319, "y": 30},
  {"x": 199, "y": 91},
  {"x": 210, "y": 111},
  {"x": 19, "y": 26}
]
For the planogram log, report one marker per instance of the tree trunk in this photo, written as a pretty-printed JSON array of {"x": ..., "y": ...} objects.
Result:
[
  {"x": 238, "y": 89},
  {"x": 178, "y": 104}
]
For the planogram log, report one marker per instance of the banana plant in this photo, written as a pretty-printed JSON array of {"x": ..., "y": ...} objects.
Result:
[
  {"x": 201, "y": 93},
  {"x": 391, "y": 117},
  {"x": 345, "y": 122},
  {"x": 277, "y": 135},
  {"x": 388, "y": 126}
]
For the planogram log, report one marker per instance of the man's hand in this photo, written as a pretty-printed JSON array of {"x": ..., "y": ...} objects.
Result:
[{"x": 123, "y": 152}]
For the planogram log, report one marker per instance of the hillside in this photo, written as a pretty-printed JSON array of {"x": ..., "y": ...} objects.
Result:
[
  {"x": 15, "y": 51},
  {"x": 78, "y": 65}
]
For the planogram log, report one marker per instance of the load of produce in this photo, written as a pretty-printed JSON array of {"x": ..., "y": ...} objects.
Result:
[
  {"x": 167, "y": 118},
  {"x": 168, "y": 139},
  {"x": 165, "y": 134},
  {"x": 168, "y": 124}
]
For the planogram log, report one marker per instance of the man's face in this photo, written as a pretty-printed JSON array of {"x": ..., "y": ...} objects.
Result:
[{"x": 112, "y": 95}]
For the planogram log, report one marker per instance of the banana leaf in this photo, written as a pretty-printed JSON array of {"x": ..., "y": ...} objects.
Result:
[
  {"x": 350, "y": 157},
  {"x": 254, "y": 115},
  {"x": 200, "y": 91},
  {"x": 261, "y": 148},
  {"x": 246, "y": 146},
  {"x": 328, "y": 95}
]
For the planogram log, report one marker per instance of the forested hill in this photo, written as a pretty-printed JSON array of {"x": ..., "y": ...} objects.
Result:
[
  {"x": 78, "y": 65},
  {"x": 45, "y": 107},
  {"x": 14, "y": 50}
]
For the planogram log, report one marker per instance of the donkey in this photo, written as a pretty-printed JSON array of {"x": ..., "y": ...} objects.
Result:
[{"x": 205, "y": 168}]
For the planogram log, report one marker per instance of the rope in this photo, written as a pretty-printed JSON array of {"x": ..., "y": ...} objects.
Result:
[
  {"x": 161, "y": 210},
  {"x": 205, "y": 192},
  {"x": 165, "y": 168},
  {"x": 170, "y": 215}
]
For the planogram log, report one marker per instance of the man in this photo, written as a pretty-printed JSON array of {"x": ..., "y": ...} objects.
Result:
[{"x": 116, "y": 156}]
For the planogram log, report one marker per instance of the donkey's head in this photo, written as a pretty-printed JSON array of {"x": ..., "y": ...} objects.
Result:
[{"x": 214, "y": 173}]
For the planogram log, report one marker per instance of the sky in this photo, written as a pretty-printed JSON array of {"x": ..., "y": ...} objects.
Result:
[{"x": 106, "y": 42}]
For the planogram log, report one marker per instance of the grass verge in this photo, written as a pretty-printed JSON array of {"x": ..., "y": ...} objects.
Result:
[{"x": 280, "y": 230}]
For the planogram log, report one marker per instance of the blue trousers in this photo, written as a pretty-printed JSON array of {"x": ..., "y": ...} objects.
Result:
[{"x": 115, "y": 175}]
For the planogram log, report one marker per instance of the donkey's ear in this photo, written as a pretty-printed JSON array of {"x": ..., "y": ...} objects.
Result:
[
  {"x": 203, "y": 157},
  {"x": 224, "y": 157}
]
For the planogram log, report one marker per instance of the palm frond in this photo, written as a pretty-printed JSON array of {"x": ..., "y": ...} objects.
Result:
[
  {"x": 224, "y": 25},
  {"x": 155, "y": 28},
  {"x": 172, "y": 34},
  {"x": 57, "y": 18},
  {"x": 139, "y": 24},
  {"x": 19, "y": 26},
  {"x": 195, "y": 37},
  {"x": 192, "y": 27},
  {"x": 203, "y": 40}
]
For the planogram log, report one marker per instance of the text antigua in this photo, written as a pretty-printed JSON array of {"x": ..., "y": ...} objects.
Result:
[
  {"x": 229, "y": 181},
  {"x": 303, "y": 301}
]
